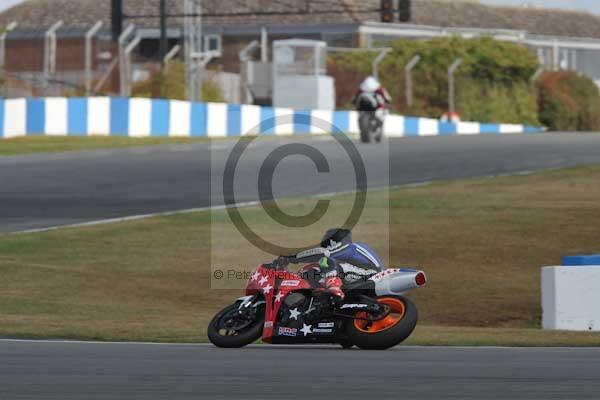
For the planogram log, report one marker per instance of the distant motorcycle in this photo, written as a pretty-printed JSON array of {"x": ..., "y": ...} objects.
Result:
[
  {"x": 370, "y": 126},
  {"x": 291, "y": 308},
  {"x": 371, "y": 102}
]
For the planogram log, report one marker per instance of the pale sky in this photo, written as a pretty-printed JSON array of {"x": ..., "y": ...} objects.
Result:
[
  {"x": 587, "y": 5},
  {"x": 8, "y": 3}
]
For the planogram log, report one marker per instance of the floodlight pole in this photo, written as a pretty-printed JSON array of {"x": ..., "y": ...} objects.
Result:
[
  {"x": 451, "y": 85},
  {"x": 163, "y": 31},
  {"x": 50, "y": 52},
  {"x": 409, "y": 82},
  {"x": 88, "y": 56}
]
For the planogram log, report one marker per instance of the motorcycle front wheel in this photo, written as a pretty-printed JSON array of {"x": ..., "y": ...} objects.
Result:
[
  {"x": 364, "y": 124},
  {"x": 233, "y": 327},
  {"x": 379, "y": 135}
]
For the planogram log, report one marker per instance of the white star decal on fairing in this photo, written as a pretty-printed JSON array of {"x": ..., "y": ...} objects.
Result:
[
  {"x": 278, "y": 297},
  {"x": 267, "y": 289},
  {"x": 306, "y": 329},
  {"x": 294, "y": 313},
  {"x": 255, "y": 276},
  {"x": 263, "y": 280}
]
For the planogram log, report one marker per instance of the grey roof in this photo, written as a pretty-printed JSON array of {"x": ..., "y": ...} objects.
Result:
[{"x": 80, "y": 14}]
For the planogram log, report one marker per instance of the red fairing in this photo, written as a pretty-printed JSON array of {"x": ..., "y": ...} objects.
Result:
[
  {"x": 274, "y": 286},
  {"x": 256, "y": 281}
]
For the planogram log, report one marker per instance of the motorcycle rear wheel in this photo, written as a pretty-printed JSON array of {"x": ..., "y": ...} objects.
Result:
[
  {"x": 228, "y": 329},
  {"x": 379, "y": 134},
  {"x": 387, "y": 332},
  {"x": 364, "y": 124}
]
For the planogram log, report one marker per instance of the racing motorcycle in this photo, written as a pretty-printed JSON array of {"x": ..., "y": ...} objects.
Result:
[
  {"x": 370, "y": 126},
  {"x": 282, "y": 307}
]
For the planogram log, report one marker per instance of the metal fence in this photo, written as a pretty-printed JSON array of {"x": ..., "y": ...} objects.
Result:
[
  {"x": 103, "y": 67},
  {"x": 554, "y": 53}
]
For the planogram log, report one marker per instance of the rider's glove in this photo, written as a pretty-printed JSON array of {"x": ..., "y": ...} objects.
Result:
[
  {"x": 282, "y": 261},
  {"x": 324, "y": 263}
]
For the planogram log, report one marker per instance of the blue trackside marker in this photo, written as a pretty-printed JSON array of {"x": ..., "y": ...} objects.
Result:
[
  {"x": 411, "y": 126},
  {"x": 119, "y": 116},
  {"x": 234, "y": 120},
  {"x": 159, "y": 124},
  {"x": 302, "y": 121},
  {"x": 77, "y": 116},
  {"x": 198, "y": 120},
  {"x": 531, "y": 129},
  {"x": 341, "y": 122},
  {"x": 267, "y": 121},
  {"x": 489, "y": 128},
  {"x": 447, "y": 129},
  {"x": 36, "y": 117},
  {"x": 582, "y": 260}
]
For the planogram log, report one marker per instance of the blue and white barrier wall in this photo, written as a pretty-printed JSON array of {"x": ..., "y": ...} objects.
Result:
[{"x": 139, "y": 117}]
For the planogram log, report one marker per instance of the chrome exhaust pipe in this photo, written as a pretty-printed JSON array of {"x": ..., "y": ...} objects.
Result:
[{"x": 396, "y": 281}]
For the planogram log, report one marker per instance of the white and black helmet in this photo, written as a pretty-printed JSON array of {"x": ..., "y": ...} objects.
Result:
[{"x": 336, "y": 235}]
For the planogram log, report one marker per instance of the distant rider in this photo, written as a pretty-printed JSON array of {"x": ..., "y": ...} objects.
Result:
[
  {"x": 372, "y": 97},
  {"x": 340, "y": 260}
]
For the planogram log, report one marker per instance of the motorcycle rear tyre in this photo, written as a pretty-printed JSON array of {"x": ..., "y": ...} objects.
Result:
[{"x": 390, "y": 337}]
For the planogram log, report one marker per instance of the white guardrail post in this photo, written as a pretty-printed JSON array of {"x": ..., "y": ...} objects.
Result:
[
  {"x": 50, "y": 53},
  {"x": 244, "y": 57},
  {"x": 88, "y": 56},
  {"x": 409, "y": 82},
  {"x": 10, "y": 27},
  {"x": 172, "y": 54},
  {"x": 122, "y": 62},
  {"x": 128, "y": 70},
  {"x": 374, "y": 67},
  {"x": 451, "y": 85}
]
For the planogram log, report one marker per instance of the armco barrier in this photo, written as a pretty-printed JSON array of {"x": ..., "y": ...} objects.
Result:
[{"x": 139, "y": 117}]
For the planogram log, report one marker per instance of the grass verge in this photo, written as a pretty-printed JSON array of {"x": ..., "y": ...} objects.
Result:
[
  {"x": 49, "y": 144},
  {"x": 482, "y": 243},
  {"x": 59, "y": 144},
  {"x": 426, "y": 335}
]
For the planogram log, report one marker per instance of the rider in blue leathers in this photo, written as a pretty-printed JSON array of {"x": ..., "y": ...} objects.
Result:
[{"x": 340, "y": 260}]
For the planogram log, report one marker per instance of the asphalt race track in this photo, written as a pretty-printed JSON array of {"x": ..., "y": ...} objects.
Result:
[
  {"x": 44, "y": 190},
  {"x": 146, "y": 371}
]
